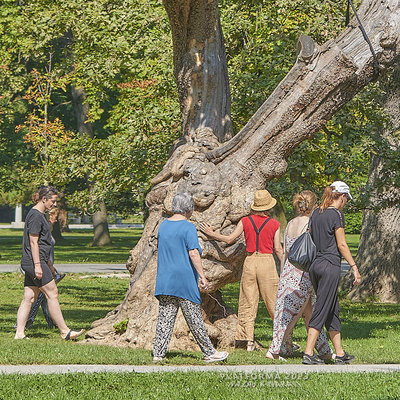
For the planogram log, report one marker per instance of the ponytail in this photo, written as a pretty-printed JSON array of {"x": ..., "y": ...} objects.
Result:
[{"x": 328, "y": 198}]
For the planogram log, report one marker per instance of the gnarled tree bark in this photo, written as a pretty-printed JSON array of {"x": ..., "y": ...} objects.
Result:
[
  {"x": 380, "y": 233},
  {"x": 223, "y": 177}
]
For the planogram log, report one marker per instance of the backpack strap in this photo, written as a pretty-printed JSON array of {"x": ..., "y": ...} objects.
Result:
[
  {"x": 258, "y": 230},
  {"x": 309, "y": 222}
]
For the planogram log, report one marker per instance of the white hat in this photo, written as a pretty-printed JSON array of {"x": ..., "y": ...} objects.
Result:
[{"x": 341, "y": 187}]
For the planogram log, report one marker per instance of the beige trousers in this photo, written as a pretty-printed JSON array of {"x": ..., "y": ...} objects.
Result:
[{"x": 259, "y": 276}]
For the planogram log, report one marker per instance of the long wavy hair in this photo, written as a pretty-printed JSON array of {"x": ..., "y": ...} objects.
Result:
[{"x": 328, "y": 198}]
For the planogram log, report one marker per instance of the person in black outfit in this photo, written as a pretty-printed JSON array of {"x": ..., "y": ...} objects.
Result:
[
  {"x": 327, "y": 231},
  {"x": 36, "y": 249}
]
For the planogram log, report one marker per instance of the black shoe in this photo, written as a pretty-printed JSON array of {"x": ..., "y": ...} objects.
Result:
[
  {"x": 311, "y": 360},
  {"x": 344, "y": 359},
  {"x": 59, "y": 277}
]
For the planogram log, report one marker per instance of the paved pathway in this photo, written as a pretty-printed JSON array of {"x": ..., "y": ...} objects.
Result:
[{"x": 248, "y": 369}]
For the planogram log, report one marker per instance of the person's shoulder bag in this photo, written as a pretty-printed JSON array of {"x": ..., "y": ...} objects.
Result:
[{"x": 303, "y": 251}]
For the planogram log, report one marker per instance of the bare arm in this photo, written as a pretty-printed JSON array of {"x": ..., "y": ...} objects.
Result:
[
  {"x": 277, "y": 244},
  {"x": 218, "y": 236},
  {"x": 34, "y": 243},
  {"x": 284, "y": 252},
  {"x": 345, "y": 252},
  {"x": 196, "y": 260}
]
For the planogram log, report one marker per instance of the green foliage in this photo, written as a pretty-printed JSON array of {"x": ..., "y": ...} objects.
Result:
[
  {"x": 354, "y": 222},
  {"x": 120, "y": 53},
  {"x": 113, "y": 51},
  {"x": 261, "y": 41},
  {"x": 261, "y": 49},
  {"x": 121, "y": 326}
]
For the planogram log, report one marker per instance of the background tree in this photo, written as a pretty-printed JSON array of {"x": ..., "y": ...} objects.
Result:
[
  {"x": 378, "y": 250},
  {"x": 130, "y": 99},
  {"x": 223, "y": 177}
]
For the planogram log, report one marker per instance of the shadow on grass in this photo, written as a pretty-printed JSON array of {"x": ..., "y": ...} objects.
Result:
[{"x": 92, "y": 294}]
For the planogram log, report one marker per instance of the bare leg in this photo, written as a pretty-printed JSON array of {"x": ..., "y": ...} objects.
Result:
[
  {"x": 311, "y": 340},
  {"x": 307, "y": 311},
  {"x": 30, "y": 294},
  {"x": 337, "y": 342},
  {"x": 51, "y": 292}
]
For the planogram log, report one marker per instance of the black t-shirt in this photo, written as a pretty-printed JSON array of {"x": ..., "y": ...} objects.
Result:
[
  {"x": 323, "y": 227},
  {"x": 36, "y": 224}
]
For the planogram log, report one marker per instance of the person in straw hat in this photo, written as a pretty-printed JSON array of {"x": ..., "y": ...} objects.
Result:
[{"x": 262, "y": 236}]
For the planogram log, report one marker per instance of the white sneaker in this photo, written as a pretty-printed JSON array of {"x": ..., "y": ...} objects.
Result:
[{"x": 217, "y": 356}]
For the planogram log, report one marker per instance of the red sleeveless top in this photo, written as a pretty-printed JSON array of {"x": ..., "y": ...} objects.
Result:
[{"x": 266, "y": 236}]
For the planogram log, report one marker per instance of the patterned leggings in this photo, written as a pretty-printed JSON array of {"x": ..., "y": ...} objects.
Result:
[{"x": 167, "y": 311}]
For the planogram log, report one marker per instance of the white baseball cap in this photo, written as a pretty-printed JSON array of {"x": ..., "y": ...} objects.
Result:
[{"x": 341, "y": 187}]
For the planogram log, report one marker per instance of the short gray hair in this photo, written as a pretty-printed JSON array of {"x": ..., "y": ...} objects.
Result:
[{"x": 182, "y": 203}]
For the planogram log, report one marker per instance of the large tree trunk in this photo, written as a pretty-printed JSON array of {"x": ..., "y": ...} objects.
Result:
[
  {"x": 101, "y": 234},
  {"x": 200, "y": 66},
  {"x": 223, "y": 178},
  {"x": 377, "y": 257}
]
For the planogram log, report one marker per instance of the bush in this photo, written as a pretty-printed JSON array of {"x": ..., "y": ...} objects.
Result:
[{"x": 353, "y": 222}]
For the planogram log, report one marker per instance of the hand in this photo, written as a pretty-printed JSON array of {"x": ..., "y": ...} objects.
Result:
[
  {"x": 357, "y": 278},
  {"x": 38, "y": 271},
  {"x": 203, "y": 283},
  {"x": 206, "y": 228}
]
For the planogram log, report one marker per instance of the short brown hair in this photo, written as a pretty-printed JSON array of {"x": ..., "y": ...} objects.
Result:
[{"x": 43, "y": 191}]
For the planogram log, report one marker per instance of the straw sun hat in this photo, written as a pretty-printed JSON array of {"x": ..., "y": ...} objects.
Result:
[{"x": 262, "y": 201}]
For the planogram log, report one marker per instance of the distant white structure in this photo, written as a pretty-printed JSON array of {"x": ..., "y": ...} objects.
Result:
[{"x": 18, "y": 217}]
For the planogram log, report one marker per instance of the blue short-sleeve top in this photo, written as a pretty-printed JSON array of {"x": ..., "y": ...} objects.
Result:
[{"x": 176, "y": 274}]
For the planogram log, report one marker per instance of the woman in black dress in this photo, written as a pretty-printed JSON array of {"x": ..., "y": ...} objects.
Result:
[{"x": 36, "y": 249}]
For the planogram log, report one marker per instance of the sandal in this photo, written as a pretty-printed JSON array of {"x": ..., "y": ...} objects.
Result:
[
  {"x": 312, "y": 360},
  {"x": 344, "y": 359},
  {"x": 275, "y": 357},
  {"x": 217, "y": 356},
  {"x": 251, "y": 346},
  {"x": 71, "y": 335},
  {"x": 22, "y": 338}
]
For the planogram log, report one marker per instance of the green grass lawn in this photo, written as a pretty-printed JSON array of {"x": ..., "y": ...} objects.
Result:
[
  {"x": 75, "y": 248},
  {"x": 352, "y": 241},
  {"x": 203, "y": 385},
  {"x": 370, "y": 331}
]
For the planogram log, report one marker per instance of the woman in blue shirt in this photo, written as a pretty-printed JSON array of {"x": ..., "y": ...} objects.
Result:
[{"x": 178, "y": 271}]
